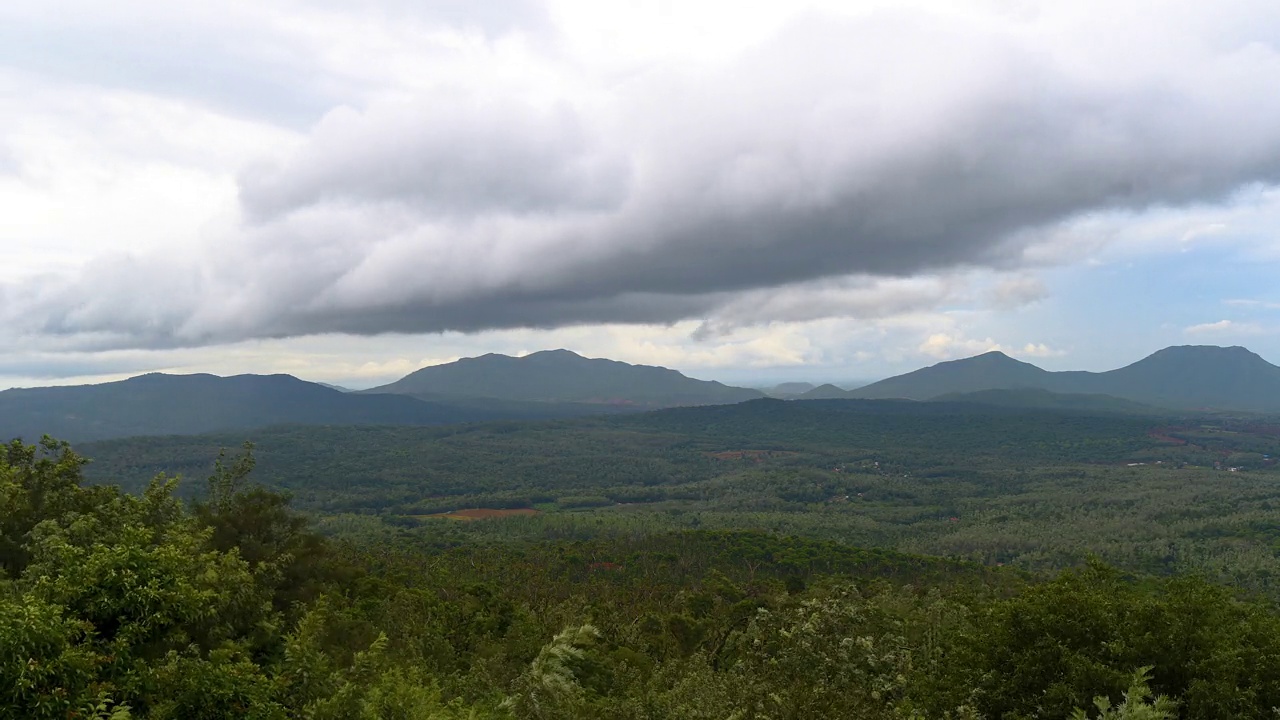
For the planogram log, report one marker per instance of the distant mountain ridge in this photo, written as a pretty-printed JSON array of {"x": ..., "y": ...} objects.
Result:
[
  {"x": 1191, "y": 377},
  {"x": 547, "y": 385},
  {"x": 989, "y": 371},
  {"x": 564, "y": 376},
  {"x": 161, "y": 404},
  {"x": 788, "y": 390},
  {"x": 562, "y": 384},
  {"x": 825, "y": 392}
]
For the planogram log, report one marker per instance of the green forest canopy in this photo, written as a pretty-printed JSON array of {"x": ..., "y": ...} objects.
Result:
[{"x": 118, "y": 605}]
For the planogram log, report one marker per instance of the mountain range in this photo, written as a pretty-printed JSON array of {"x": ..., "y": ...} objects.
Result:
[
  {"x": 561, "y": 384},
  {"x": 160, "y": 404},
  {"x": 1188, "y": 377},
  {"x": 788, "y": 390},
  {"x": 544, "y": 385},
  {"x": 563, "y": 376}
]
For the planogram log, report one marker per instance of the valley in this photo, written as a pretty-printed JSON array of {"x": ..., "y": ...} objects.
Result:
[{"x": 436, "y": 552}]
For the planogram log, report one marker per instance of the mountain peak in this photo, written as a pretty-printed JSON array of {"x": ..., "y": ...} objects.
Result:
[
  {"x": 1184, "y": 376},
  {"x": 989, "y": 371},
  {"x": 1206, "y": 351},
  {"x": 825, "y": 392},
  {"x": 169, "y": 404},
  {"x": 1208, "y": 358},
  {"x": 1200, "y": 376},
  {"x": 564, "y": 376},
  {"x": 559, "y": 356},
  {"x": 992, "y": 357}
]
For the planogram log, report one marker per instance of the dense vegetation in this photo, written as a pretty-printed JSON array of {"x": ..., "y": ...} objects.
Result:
[
  {"x": 117, "y": 606},
  {"x": 1032, "y": 489},
  {"x": 765, "y": 560}
]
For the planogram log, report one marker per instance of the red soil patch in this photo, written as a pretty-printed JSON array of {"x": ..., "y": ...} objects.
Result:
[
  {"x": 1162, "y": 435},
  {"x": 1265, "y": 430},
  {"x": 485, "y": 513},
  {"x": 749, "y": 454}
]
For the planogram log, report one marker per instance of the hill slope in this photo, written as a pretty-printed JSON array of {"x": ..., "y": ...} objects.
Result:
[
  {"x": 989, "y": 371},
  {"x": 825, "y": 392},
  {"x": 159, "y": 404},
  {"x": 1195, "y": 377},
  {"x": 788, "y": 390},
  {"x": 563, "y": 376},
  {"x": 1186, "y": 377},
  {"x": 1037, "y": 399}
]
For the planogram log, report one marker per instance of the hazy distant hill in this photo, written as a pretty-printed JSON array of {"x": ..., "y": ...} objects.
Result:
[
  {"x": 825, "y": 392},
  {"x": 563, "y": 376},
  {"x": 789, "y": 390},
  {"x": 1187, "y": 377},
  {"x": 1193, "y": 377},
  {"x": 159, "y": 404},
  {"x": 989, "y": 371}
]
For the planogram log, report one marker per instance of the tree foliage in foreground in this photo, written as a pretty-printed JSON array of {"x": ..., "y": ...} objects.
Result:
[{"x": 137, "y": 606}]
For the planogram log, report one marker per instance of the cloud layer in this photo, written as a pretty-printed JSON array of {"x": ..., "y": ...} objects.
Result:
[{"x": 848, "y": 165}]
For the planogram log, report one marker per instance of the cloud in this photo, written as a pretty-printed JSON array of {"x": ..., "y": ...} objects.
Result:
[
  {"x": 1224, "y": 327},
  {"x": 947, "y": 346},
  {"x": 862, "y": 298},
  {"x": 452, "y": 155},
  {"x": 842, "y": 167},
  {"x": 1017, "y": 291},
  {"x": 1252, "y": 304},
  {"x": 1039, "y": 350},
  {"x": 287, "y": 62}
]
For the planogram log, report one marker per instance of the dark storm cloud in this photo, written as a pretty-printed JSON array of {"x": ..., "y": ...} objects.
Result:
[{"x": 887, "y": 146}]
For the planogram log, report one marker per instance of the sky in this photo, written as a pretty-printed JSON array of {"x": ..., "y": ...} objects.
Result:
[{"x": 752, "y": 192}]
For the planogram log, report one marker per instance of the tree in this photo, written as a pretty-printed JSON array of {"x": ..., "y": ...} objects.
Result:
[{"x": 1138, "y": 703}]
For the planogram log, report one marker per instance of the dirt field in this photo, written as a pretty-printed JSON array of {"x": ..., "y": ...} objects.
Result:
[
  {"x": 482, "y": 514},
  {"x": 750, "y": 454}
]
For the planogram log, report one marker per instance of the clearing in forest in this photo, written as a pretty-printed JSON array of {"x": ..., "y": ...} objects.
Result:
[{"x": 483, "y": 513}]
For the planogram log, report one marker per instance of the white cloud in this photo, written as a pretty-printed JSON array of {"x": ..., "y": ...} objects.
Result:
[
  {"x": 945, "y": 346},
  {"x": 950, "y": 346},
  {"x": 1252, "y": 304},
  {"x": 509, "y": 183},
  {"x": 1017, "y": 291},
  {"x": 823, "y": 183},
  {"x": 1039, "y": 350},
  {"x": 1225, "y": 328}
]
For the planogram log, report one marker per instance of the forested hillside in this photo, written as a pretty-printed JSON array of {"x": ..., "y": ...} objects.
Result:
[
  {"x": 1034, "y": 489},
  {"x": 1194, "y": 377},
  {"x": 188, "y": 404},
  {"x": 138, "y": 606},
  {"x": 160, "y": 404},
  {"x": 770, "y": 559},
  {"x": 560, "y": 376}
]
